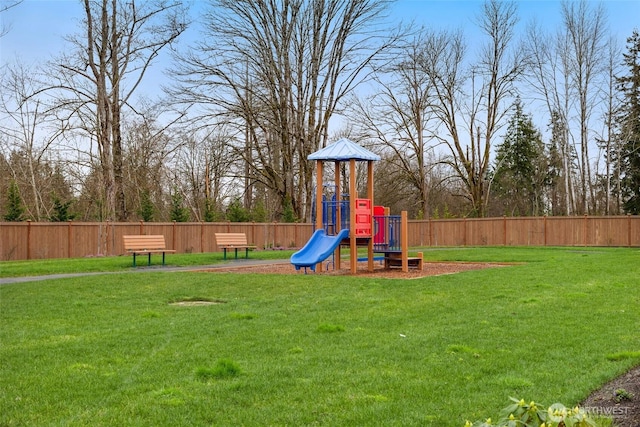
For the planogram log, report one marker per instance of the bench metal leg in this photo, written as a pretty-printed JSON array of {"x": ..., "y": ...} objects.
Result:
[
  {"x": 149, "y": 262},
  {"x": 246, "y": 253},
  {"x": 236, "y": 253},
  {"x": 163, "y": 259},
  {"x": 134, "y": 259},
  {"x": 224, "y": 251}
]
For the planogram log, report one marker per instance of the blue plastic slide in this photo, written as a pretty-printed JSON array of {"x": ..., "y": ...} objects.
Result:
[{"x": 317, "y": 249}]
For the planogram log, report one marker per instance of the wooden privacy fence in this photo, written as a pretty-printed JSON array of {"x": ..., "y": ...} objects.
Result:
[
  {"x": 527, "y": 231},
  {"x": 42, "y": 240}
]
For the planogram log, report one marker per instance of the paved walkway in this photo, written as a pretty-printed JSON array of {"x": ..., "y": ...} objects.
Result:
[{"x": 148, "y": 269}]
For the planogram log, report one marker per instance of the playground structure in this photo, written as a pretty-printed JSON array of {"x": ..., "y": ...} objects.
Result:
[{"x": 343, "y": 219}]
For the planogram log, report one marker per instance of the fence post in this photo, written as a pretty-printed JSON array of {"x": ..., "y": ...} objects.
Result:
[
  {"x": 107, "y": 237},
  {"x": 586, "y": 228},
  {"x": 173, "y": 236},
  {"x": 201, "y": 237},
  {"x": 544, "y": 229},
  {"x": 504, "y": 228},
  {"x": 69, "y": 235},
  {"x": 28, "y": 239},
  {"x": 253, "y": 233},
  {"x": 275, "y": 234},
  {"x": 464, "y": 236},
  {"x": 404, "y": 240},
  {"x": 629, "y": 229}
]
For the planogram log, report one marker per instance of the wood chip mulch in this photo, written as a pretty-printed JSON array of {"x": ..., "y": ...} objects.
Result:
[{"x": 429, "y": 269}]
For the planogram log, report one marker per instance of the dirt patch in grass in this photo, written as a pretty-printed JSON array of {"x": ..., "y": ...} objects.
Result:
[{"x": 195, "y": 303}]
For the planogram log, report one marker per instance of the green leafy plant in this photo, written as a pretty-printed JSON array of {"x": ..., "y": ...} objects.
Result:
[
  {"x": 621, "y": 395},
  {"x": 532, "y": 414}
]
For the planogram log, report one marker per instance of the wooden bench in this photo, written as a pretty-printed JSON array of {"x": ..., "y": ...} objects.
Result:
[
  {"x": 233, "y": 241},
  {"x": 145, "y": 244}
]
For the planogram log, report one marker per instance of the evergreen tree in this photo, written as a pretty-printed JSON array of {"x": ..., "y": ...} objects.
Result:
[
  {"x": 61, "y": 210},
  {"x": 259, "y": 213},
  {"x": 209, "y": 211},
  {"x": 147, "y": 210},
  {"x": 236, "y": 212},
  {"x": 288, "y": 215},
  {"x": 629, "y": 124},
  {"x": 14, "y": 207},
  {"x": 178, "y": 212},
  {"x": 520, "y": 167}
]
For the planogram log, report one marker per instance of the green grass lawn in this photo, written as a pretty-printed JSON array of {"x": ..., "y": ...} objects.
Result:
[{"x": 108, "y": 350}]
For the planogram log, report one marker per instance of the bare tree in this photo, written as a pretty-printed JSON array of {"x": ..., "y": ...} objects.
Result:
[
  {"x": 491, "y": 80},
  {"x": 607, "y": 141},
  {"x": 27, "y": 138},
  {"x": 549, "y": 76},
  {"x": 586, "y": 32},
  {"x": 203, "y": 169},
  {"x": 148, "y": 146},
  {"x": 278, "y": 71},
  {"x": 396, "y": 120},
  {"x": 567, "y": 71},
  {"x": 6, "y": 5},
  {"x": 95, "y": 80}
]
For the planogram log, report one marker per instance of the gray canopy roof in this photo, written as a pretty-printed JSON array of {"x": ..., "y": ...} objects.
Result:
[{"x": 343, "y": 149}]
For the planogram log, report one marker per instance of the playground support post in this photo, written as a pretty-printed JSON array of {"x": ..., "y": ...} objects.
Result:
[
  {"x": 372, "y": 228},
  {"x": 404, "y": 240},
  {"x": 353, "y": 248},
  {"x": 319, "y": 181},
  {"x": 336, "y": 255}
]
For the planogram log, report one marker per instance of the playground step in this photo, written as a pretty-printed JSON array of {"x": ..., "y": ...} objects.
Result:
[{"x": 394, "y": 260}]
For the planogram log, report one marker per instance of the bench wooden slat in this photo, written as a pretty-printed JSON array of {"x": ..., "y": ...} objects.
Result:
[
  {"x": 233, "y": 241},
  {"x": 145, "y": 244}
]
